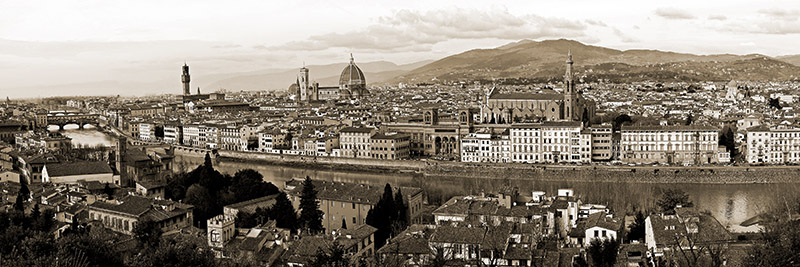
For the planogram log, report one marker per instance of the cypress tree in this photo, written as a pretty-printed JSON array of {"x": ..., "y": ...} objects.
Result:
[
  {"x": 283, "y": 213},
  {"x": 207, "y": 162},
  {"x": 310, "y": 215},
  {"x": 401, "y": 209},
  {"x": 344, "y": 223}
]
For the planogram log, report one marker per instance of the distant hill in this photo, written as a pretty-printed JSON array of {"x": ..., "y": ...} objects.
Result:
[
  {"x": 325, "y": 75},
  {"x": 542, "y": 61},
  {"x": 792, "y": 59}
]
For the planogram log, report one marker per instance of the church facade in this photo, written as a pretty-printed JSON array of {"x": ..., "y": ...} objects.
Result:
[
  {"x": 507, "y": 108},
  {"x": 352, "y": 85}
]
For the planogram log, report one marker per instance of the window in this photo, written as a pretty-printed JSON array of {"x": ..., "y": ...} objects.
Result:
[{"x": 596, "y": 233}]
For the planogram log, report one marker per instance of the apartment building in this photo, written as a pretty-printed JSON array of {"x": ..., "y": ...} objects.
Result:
[
  {"x": 486, "y": 147},
  {"x": 601, "y": 142},
  {"x": 774, "y": 145},
  {"x": 547, "y": 142},
  {"x": 669, "y": 144},
  {"x": 389, "y": 146},
  {"x": 355, "y": 142}
]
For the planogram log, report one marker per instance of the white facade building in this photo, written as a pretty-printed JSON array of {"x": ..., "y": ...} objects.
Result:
[
  {"x": 147, "y": 131},
  {"x": 547, "y": 142},
  {"x": 486, "y": 147},
  {"x": 173, "y": 134},
  {"x": 775, "y": 145},
  {"x": 669, "y": 144}
]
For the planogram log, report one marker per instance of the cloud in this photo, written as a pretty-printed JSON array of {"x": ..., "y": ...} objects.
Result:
[
  {"x": 717, "y": 17},
  {"x": 596, "y": 23},
  {"x": 770, "y": 22},
  {"x": 673, "y": 13},
  {"x": 624, "y": 37},
  {"x": 415, "y": 31},
  {"x": 778, "y": 13}
]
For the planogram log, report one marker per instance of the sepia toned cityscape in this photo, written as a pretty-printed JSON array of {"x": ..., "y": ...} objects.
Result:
[{"x": 524, "y": 133}]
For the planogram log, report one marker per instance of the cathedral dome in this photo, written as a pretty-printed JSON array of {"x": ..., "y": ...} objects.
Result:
[
  {"x": 294, "y": 89},
  {"x": 352, "y": 75}
]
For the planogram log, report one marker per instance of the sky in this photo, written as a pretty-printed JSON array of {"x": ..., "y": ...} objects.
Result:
[{"x": 144, "y": 42}]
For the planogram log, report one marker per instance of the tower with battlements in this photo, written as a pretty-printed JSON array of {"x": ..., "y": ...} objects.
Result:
[{"x": 185, "y": 79}]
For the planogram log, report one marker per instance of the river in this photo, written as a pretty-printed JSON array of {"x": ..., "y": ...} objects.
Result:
[
  {"x": 730, "y": 204},
  {"x": 86, "y": 137}
]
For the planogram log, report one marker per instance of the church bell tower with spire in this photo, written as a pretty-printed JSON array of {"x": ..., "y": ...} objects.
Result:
[{"x": 570, "y": 96}]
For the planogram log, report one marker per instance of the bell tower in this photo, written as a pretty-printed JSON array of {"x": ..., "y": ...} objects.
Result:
[
  {"x": 302, "y": 82},
  {"x": 185, "y": 79},
  {"x": 570, "y": 96}
]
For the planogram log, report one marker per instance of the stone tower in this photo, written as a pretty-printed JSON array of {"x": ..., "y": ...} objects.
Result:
[
  {"x": 302, "y": 83},
  {"x": 570, "y": 96},
  {"x": 185, "y": 79},
  {"x": 220, "y": 231}
]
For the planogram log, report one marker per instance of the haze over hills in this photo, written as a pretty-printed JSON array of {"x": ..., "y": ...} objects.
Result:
[
  {"x": 325, "y": 75},
  {"x": 266, "y": 79},
  {"x": 543, "y": 61}
]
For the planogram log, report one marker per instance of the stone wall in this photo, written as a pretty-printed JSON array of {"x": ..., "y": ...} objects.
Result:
[
  {"x": 393, "y": 164},
  {"x": 711, "y": 175}
]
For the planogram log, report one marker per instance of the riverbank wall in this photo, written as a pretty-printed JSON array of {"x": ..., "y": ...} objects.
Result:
[
  {"x": 518, "y": 171},
  {"x": 654, "y": 175}
]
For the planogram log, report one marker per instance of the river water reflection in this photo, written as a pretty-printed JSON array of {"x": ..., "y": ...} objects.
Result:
[{"x": 86, "y": 137}]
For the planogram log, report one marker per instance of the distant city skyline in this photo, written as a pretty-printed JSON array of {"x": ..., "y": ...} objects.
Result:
[{"x": 144, "y": 43}]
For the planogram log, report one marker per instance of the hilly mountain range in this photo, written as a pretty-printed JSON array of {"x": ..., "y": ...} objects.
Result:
[{"x": 543, "y": 61}]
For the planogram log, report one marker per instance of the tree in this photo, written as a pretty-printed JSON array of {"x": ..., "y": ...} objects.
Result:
[
  {"x": 22, "y": 195},
  {"x": 401, "y": 221},
  {"x": 109, "y": 191},
  {"x": 246, "y": 219},
  {"x": 603, "y": 252},
  {"x": 177, "y": 253},
  {"x": 728, "y": 139},
  {"x": 310, "y": 215},
  {"x": 334, "y": 256},
  {"x": 775, "y": 103},
  {"x": 619, "y": 121},
  {"x": 689, "y": 119},
  {"x": 384, "y": 216},
  {"x": 779, "y": 243},
  {"x": 19, "y": 203},
  {"x": 147, "y": 233},
  {"x": 441, "y": 256},
  {"x": 672, "y": 198},
  {"x": 637, "y": 230},
  {"x": 249, "y": 184},
  {"x": 159, "y": 132},
  {"x": 207, "y": 162},
  {"x": 344, "y": 223},
  {"x": 585, "y": 118},
  {"x": 204, "y": 206},
  {"x": 283, "y": 213}
]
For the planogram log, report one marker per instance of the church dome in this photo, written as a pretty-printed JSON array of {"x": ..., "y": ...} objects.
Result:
[
  {"x": 352, "y": 75},
  {"x": 294, "y": 89}
]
